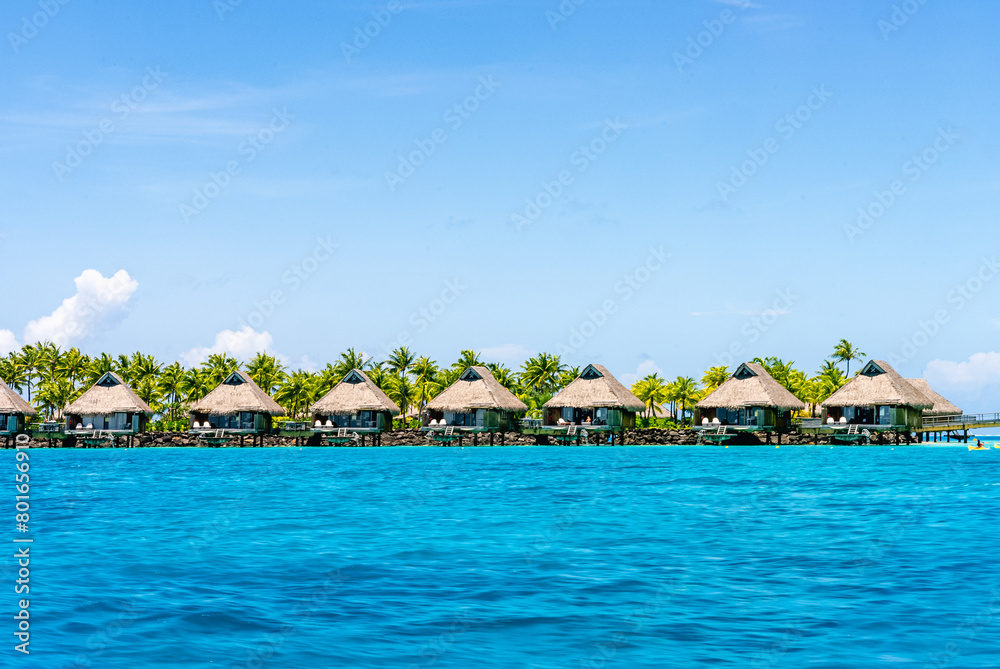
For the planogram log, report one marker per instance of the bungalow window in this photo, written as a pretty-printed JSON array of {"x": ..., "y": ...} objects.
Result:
[
  {"x": 885, "y": 415},
  {"x": 119, "y": 421},
  {"x": 737, "y": 416},
  {"x": 92, "y": 422},
  {"x": 456, "y": 419}
]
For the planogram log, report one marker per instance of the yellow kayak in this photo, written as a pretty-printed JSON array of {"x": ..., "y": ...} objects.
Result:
[{"x": 978, "y": 448}]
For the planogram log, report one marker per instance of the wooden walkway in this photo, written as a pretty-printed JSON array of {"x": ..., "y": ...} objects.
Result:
[{"x": 957, "y": 427}]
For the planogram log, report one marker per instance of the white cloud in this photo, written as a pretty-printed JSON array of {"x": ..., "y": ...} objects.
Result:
[
  {"x": 99, "y": 304},
  {"x": 645, "y": 368},
  {"x": 972, "y": 375},
  {"x": 508, "y": 354},
  {"x": 8, "y": 343},
  {"x": 243, "y": 345}
]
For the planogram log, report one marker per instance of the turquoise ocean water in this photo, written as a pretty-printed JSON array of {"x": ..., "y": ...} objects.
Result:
[{"x": 511, "y": 557}]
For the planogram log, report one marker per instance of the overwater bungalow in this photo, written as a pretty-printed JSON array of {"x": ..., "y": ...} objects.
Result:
[
  {"x": 595, "y": 403},
  {"x": 107, "y": 411},
  {"x": 14, "y": 411},
  {"x": 353, "y": 409},
  {"x": 943, "y": 420},
  {"x": 941, "y": 407},
  {"x": 877, "y": 400},
  {"x": 476, "y": 403},
  {"x": 749, "y": 401},
  {"x": 237, "y": 407}
]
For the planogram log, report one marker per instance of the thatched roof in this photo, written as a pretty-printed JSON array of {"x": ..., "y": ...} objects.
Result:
[
  {"x": 878, "y": 384},
  {"x": 596, "y": 387},
  {"x": 109, "y": 395},
  {"x": 237, "y": 393},
  {"x": 11, "y": 402},
  {"x": 751, "y": 386},
  {"x": 942, "y": 407},
  {"x": 476, "y": 389},
  {"x": 356, "y": 392}
]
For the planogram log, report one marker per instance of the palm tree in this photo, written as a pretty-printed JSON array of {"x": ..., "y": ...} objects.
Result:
[
  {"x": 297, "y": 392},
  {"x": 53, "y": 396},
  {"x": 715, "y": 377},
  {"x": 220, "y": 366},
  {"x": 466, "y": 359},
  {"x": 425, "y": 373},
  {"x": 30, "y": 360},
  {"x": 828, "y": 380},
  {"x": 12, "y": 371},
  {"x": 504, "y": 376},
  {"x": 845, "y": 351},
  {"x": 813, "y": 394},
  {"x": 123, "y": 367},
  {"x": 651, "y": 391},
  {"x": 268, "y": 373},
  {"x": 197, "y": 383},
  {"x": 378, "y": 374},
  {"x": 351, "y": 359},
  {"x": 144, "y": 368},
  {"x": 49, "y": 356},
  {"x": 170, "y": 384},
  {"x": 99, "y": 367},
  {"x": 542, "y": 373},
  {"x": 401, "y": 361},
  {"x": 567, "y": 376},
  {"x": 798, "y": 384},
  {"x": 73, "y": 365},
  {"x": 684, "y": 391},
  {"x": 446, "y": 377},
  {"x": 401, "y": 391},
  {"x": 148, "y": 390}
]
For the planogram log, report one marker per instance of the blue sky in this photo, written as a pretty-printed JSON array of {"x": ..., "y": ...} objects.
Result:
[{"x": 688, "y": 178}]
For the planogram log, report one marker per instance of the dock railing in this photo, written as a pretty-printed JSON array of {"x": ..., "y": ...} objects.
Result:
[{"x": 962, "y": 420}]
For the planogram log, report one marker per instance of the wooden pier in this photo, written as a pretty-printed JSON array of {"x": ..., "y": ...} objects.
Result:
[{"x": 956, "y": 428}]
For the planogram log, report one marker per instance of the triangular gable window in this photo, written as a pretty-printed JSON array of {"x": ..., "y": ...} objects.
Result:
[
  {"x": 871, "y": 369},
  {"x": 108, "y": 381},
  {"x": 744, "y": 372},
  {"x": 470, "y": 375},
  {"x": 591, "y": 373},
  {"x": 353, "y": 377},
  {"x": 234, "y": 379}
]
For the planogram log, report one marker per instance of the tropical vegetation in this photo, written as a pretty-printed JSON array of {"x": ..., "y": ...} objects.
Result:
[{"x": 51, "y": 378}]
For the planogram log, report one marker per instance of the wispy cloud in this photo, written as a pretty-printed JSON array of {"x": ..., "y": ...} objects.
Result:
[{"x": 972, "y": 375}]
